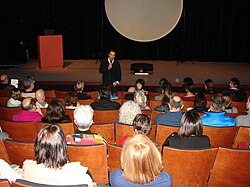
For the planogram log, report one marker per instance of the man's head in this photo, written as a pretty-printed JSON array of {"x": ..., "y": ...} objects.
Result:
[
  {"x": 187, "y": 80},
  {"x": 234, "y": 83},
  {"x": 217, "y": 104},
  {"x": 111, "y": 54},
  {"x": 28, "y": 83},
  {"x": 175, "y": 103},
  {"x": 4, "y": 79},
  {"x": 105, "y": 93},
  {"x": 209, "y": 84},
  {"x": 29, "y": 104},
  {"x": 40, "y": 95},
  {"x": 83, "y": 117}
]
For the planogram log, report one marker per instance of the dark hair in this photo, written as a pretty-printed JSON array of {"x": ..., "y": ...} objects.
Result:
[
  {"x": 27, "y": 82},
  {"x": 191, "y": 124},
  {"x": 71, "y": 99},
  {"x": 105, "y": 93},
  {"x": 241, "y": 96},
  {"x": 15, "y": 93},
  {"x": 187, "y": 80},
  {"x": 236, "y": 82},
  {"x": 189, "y": 87},
  {"x": 209, "y": 83},
  {"x": 162, "y": 81},
  {"x": 165, "y": 101},
  {"x": 218, "y": 103},
  {"x": 31, "y": 104},
  {"x": 51, "y": 147},
  {"x": 200, "y": 100},
  {"x": 111, "y": 50},
  {"x": 140, "y": 81},
  {"x": 56, "y": 113},
  {"x": 142, "y": 124},
  {"x": 167, "y": 89}
]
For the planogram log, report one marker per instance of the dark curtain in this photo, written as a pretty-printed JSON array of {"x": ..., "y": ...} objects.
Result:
[{"x": 209, "y": 30}]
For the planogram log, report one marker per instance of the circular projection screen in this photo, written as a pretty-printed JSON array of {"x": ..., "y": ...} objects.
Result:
[{"x": 144, "y": 20}]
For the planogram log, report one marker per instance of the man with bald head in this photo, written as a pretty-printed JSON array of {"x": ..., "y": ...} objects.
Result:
[
  {"x": 30, "y": 112},
  {"x": 40, "y": 97},
  {"x": 172, "y": 117}
]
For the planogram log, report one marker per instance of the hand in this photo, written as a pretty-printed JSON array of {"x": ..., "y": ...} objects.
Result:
[
  {"x": 110, "y": 66},
  {"x": 115, "y": 83}
]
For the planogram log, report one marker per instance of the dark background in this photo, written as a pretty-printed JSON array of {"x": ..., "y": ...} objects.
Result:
[{"x": 209, "y": 30}]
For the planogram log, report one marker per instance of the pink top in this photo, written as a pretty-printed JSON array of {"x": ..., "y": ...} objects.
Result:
[{"x": 27, "y": 116}]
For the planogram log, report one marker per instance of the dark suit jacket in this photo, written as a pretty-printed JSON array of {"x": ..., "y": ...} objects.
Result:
[
  {"x": 105, "y": 105},
  {"x": 112, "y": 75}
]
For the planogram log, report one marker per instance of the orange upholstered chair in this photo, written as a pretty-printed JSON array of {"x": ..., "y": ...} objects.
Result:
[
  {"x": 6, "y": 113},
  {"x": 163, "y": 131},
  {"x": 105, "y": 116},
  {"x": 3, "y": 153},
  {"x": 114, "y": 157},
  {"x": 243, "y": 135},
  {"x": 105, "y": 130}
]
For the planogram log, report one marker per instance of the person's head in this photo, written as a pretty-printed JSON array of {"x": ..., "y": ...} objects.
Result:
[
  {"x": 16, "y": 94},
  {"x": 228, "y": 100},
  {"x": 140, "y": 160},
  {"x": 189, "y": 87},
  {"x": 28, "y": 83},
  {"x": 105, "y": 93},
  {"x": 191, "y": 124},
  {"x": 79, "y": 86},
  {"x": 71, "y": 99},
  {"x": 175, "y": 103},
  {"x": 55, "y": 111},
  {"x": 167, "y": 89},
  {"x": 111, "y": 54},
  {"x": 139, "y": 84},
  {"x": 40, "y": 95},
  {"x": 140, "y": 98},
  {"x": 51, "y": 147},
  {"x": 142, "y": 124},
  {"x": 162, "y": 81},
  {"x": 217, "y": 104},
  {"x": 209, "y": 84},
  {"x": 83, "y": 117},
  {"x": 128, "y": 111},
  {"x": 200, "y": 100},
  {"x": 4, "y": 79},
  {"x": 29, "y": 104},
  {"x": 165, "y": 101},
  {"x": 187, "y": 80},
  {"x": 234, "y": 83}
]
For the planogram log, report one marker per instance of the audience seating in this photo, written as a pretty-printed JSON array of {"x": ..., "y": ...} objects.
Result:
[
  {"x": 21, "y": 131},
  {"x": 163, "y": 131},
  {"x": 7, "y": 113},
  {"x": 3, "y": 101},
  {"x": 4, "y": 183},
  {"x": 94, "y": 95},
  {"x": 3, "y": 153},
  {"x": 243, "y": 135},
  {"x": 241, "y": 106},
  {"x": 154, "y": 115},
  {"x": 19, "y": 151},
  {"x": 151, "y": 95},
  {"x": 68, "y": 128},
  {"x": 146, "y": 112},
  {"x": 231, "y": 168},
  {"x": 105, "y": 116},
  {"x": 105, "y": 130},
  {"x": 60, "y": 94},
  {"x": 188, "y": 167},
  {"x": 4, "y": 93},
  {"x": 153, "y": 104},
  {"x": 94, "y": 157},
  {"x": 50, "y": 93},
  {"x": 209, "y": 96},
  {"x": 114, "y": 157},
  {"x": 220, "y": 136},
  {"x": 86, "y": 102},
  {"x": 187, "y": 104}
]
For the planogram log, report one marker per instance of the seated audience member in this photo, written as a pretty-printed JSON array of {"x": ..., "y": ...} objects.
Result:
[
  {"x": 114, "y": 93},
  {"x": 51, "y": 165},
  {"x": 15, "y": 98},
  {"x": 190, "y": 133},
  {"x": 233, "y": 86},
  {"x": 244, "y": 120},
  {"x": 200, "y": 103},
  {"x": 141, "y": 99},
  {"x": 228, "y": 101},
  {"x": 105, "y": 103},
  {"x": 141, "y": 124},
  {"x": 166, "y": 91},
  {"x": 141, "y": 165},
  {"x": 71, "y": 101},
  {"x": 56, "y": 113},
  {"x": 28, "y": 86},
  {"x": 161, "y": 82},
  {"x": 83, "y": 118},
  {"x": 173, "y": 116},
  {"x": 241, "y": 96},
  {"x": 40, "y": 99},
  {"x": 5, "y": 82},
  {"x": 164, "y": 104},
  {"x": 79, "y": 86},
  {"x": 190, "y": 93},
  {"x": 30, "y": 112},
  {"x": 209, "y": 87},
  {"x": 185, "y": 81},
  {"x": 127, "y": 112},
  {"x": 216, "y": 114},
  {"x": 139, "y": 86}
]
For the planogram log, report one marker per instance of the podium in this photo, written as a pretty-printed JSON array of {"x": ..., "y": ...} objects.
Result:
[{"x": 50, "y": 51}]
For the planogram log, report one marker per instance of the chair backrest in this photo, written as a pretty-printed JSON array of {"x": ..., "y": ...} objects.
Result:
[
  {"x": 4, "y": 93},
  {"x": 153, "y": 104},
  {"x": 146, "y": 112},
  {"x": 123, "y": 130},
  {"x": 4, "y": 183},
  {"x": 86, "y": 101},
  {"x": 6, "y": 113},
  {"x": 243, "y": 135},
  {"x": 3, "y": 101},
  {"x": 60, "y": 93},
  {"x": 187, "y": 104},
  {"x": 105, "y": 116},
  {"x": 70, "y": 113},
  {"x": 21, "y": 131},
  {"x": 50, "y": 94},
  {"x": 220, "y": 136},
  {"x": 152, "y": 95},
  {"x": 241, "y": 106},
  {"x": 114, "y": 157},
  {"x": 231, "y": 168},
  {"x": 188, "y": 167},
  {"x": 68, "y": 128},
  {"x": 19, "y": 151},
  {"x": 3, "y": 153},
  {"x": 94, "y": 157},
  {"x": 163, "y": 131},
  {"x": 105, "y": 130},
  {"x": 94, "y": 95},
  {"x": 154, "y": 115},
  {"x": 209, "y": 96}
]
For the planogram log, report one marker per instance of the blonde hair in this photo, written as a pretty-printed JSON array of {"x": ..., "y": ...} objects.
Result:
[
  {"x": 228, "y": 100},
  {"x": 79, "y": 86},
  {"x": 140, "y": 97},
  {"x": 140, "y": 160},
  {"x": 128, "y": 111}
]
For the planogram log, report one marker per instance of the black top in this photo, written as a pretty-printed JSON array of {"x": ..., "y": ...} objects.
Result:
[
  {"x": 105, "y": 105},
  {"x": 112, "y": 75},
  {"x": 83, "y": 96},
  {"x": 6, "y": 87},
  {"x": 192, "y": 142},
  {"x": 83, "y": 132}
]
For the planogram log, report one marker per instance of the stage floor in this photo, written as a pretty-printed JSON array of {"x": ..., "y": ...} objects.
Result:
[{"x": 88, "y": 70}]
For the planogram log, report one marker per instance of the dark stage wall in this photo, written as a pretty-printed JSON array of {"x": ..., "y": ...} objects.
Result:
[{"x": 209, "y": 30}]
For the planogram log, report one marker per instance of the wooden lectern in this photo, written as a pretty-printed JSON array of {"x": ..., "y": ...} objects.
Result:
[{"x": 50, "y": 51}]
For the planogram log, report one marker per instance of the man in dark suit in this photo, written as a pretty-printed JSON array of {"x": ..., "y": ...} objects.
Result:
[{"x": 110, "y": 69}]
